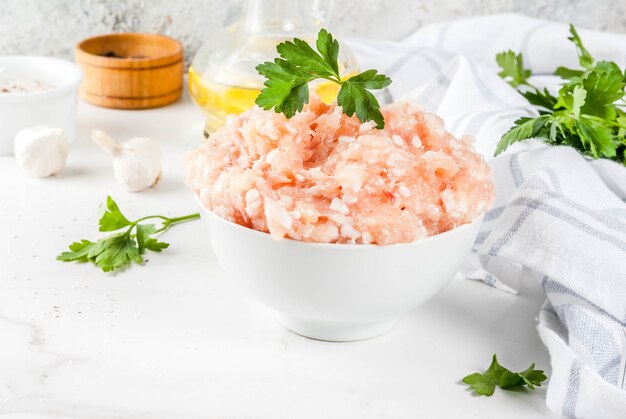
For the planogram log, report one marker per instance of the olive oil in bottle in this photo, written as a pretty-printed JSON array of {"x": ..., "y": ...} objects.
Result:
[{"x": 219, "y": 100}]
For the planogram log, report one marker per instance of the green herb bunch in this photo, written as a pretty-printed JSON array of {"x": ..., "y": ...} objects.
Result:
[
  {"x": 286, "y": 89},
  {"x": 121, "y": 249},
  {"x": 588, "y": 113}
]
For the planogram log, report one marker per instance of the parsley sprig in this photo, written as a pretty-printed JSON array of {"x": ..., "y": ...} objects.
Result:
[
  {"x": 588, "y": 113},
  {"x": 286, "y": 88},
  {"x": 118, "y": 250},
  {"x": 484, "y": 384}
]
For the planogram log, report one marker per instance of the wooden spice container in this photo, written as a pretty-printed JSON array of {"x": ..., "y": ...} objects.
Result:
[{"x": 131, "y": 70}]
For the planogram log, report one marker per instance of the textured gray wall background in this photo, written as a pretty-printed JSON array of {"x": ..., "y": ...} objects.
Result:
[{"x": 54, "y": 26}]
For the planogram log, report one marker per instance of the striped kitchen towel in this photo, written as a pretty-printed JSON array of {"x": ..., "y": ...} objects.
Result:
[
  {"x": 556, "y": 215},
  {"x": 556, "y": 212}
]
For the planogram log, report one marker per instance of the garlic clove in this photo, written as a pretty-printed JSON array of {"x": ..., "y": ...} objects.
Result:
[
  {"x": 105, "y": 141},
  {"x": 136, "y": 163},
  {"x": 41, "y": 150},
  {"x": 138, "y": 166}
]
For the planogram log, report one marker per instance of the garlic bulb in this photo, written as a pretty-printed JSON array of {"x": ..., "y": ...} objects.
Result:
[
  {"x": 41, "y": 150},
  {"x": 136, "y": 163}
]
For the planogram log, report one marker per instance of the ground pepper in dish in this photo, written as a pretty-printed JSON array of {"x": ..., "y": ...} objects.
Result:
[{"x": 322, "y": 176}]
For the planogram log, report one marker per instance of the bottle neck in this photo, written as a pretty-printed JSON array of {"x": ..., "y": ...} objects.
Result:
[{"x": 278, "y": 17}]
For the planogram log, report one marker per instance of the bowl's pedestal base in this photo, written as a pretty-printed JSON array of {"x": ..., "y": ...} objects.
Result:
[{"x": 336, "y": 331}]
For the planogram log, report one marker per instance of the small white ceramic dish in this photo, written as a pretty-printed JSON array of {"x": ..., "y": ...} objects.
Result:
[
  {"x": 55, "y": 107},
  {"x": 338, "y": 292}
]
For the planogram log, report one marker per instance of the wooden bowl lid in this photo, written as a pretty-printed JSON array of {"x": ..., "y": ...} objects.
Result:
[{"x": 129, "y": 50}]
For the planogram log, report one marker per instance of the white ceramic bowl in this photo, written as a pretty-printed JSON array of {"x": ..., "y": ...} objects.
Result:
[
  {"x": 338, "y": 292},
  {"x": 54, "y": 107}
]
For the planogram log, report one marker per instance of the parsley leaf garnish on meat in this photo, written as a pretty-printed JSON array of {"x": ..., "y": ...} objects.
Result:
[
  {"x": 286, "y": 88},
  {"x": 588, "y": 112},
  {"x": 122, "y": 248},
  {"x": 484, "y": 384}
]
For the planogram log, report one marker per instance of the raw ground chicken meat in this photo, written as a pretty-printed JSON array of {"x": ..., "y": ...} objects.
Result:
[{"x": 322, "y": 176}]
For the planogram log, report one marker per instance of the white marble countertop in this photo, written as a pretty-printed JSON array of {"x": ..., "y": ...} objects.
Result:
[{"x": 177, "y": 339}]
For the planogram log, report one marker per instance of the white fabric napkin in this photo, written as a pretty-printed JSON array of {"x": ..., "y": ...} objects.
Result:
[{"x": 556, "y": 213}]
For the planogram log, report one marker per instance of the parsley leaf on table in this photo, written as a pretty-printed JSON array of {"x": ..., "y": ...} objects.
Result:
[
  {"x": 286, "y": 88},
  {"x": 121, "y": 249},
  {"x": 588, "y": 113},
  {"x": 484, "y": 384},
  {"x": 112, "y": 219}
]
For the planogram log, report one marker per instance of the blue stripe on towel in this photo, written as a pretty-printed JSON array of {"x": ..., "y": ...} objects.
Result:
[{"x": 569, "y": 404}]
